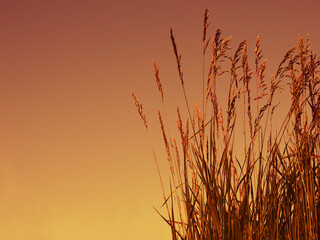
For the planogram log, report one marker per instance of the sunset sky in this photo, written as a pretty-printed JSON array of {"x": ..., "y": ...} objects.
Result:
[{"x": 75, "y": 160}]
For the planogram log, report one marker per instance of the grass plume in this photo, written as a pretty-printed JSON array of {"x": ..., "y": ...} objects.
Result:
[{"x": 272, "y": 190}]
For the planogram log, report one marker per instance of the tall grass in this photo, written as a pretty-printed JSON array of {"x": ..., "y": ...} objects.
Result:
[{"x": 272, "y": 189}]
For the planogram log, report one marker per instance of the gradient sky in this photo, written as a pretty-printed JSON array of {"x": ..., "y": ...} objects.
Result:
[{"x": 75, "y": 160}]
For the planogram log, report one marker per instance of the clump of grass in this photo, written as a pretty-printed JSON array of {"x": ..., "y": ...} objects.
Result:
[{"x": 272, "y": 189}]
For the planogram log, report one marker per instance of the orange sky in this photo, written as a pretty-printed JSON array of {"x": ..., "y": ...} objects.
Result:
[{"x": 75, "y": 161}]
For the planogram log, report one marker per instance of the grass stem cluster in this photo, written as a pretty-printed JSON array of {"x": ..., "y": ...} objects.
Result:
[{"x": 272, "y": 189}]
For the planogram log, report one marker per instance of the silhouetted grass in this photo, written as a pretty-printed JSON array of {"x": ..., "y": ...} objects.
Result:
[{"x": 271, "y": 191}]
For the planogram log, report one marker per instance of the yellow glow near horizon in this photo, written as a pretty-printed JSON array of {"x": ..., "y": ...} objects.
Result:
[{"x": 75, "y": 162}]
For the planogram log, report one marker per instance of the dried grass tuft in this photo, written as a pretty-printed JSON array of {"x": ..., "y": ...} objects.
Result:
[{"x": 272, "y": 189}]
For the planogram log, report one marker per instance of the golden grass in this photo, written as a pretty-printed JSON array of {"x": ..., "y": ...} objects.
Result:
[{"x": 272, "y": 191}]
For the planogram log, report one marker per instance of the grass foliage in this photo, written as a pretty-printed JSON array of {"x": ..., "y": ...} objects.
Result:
[{"x": 272, "y": 189}]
